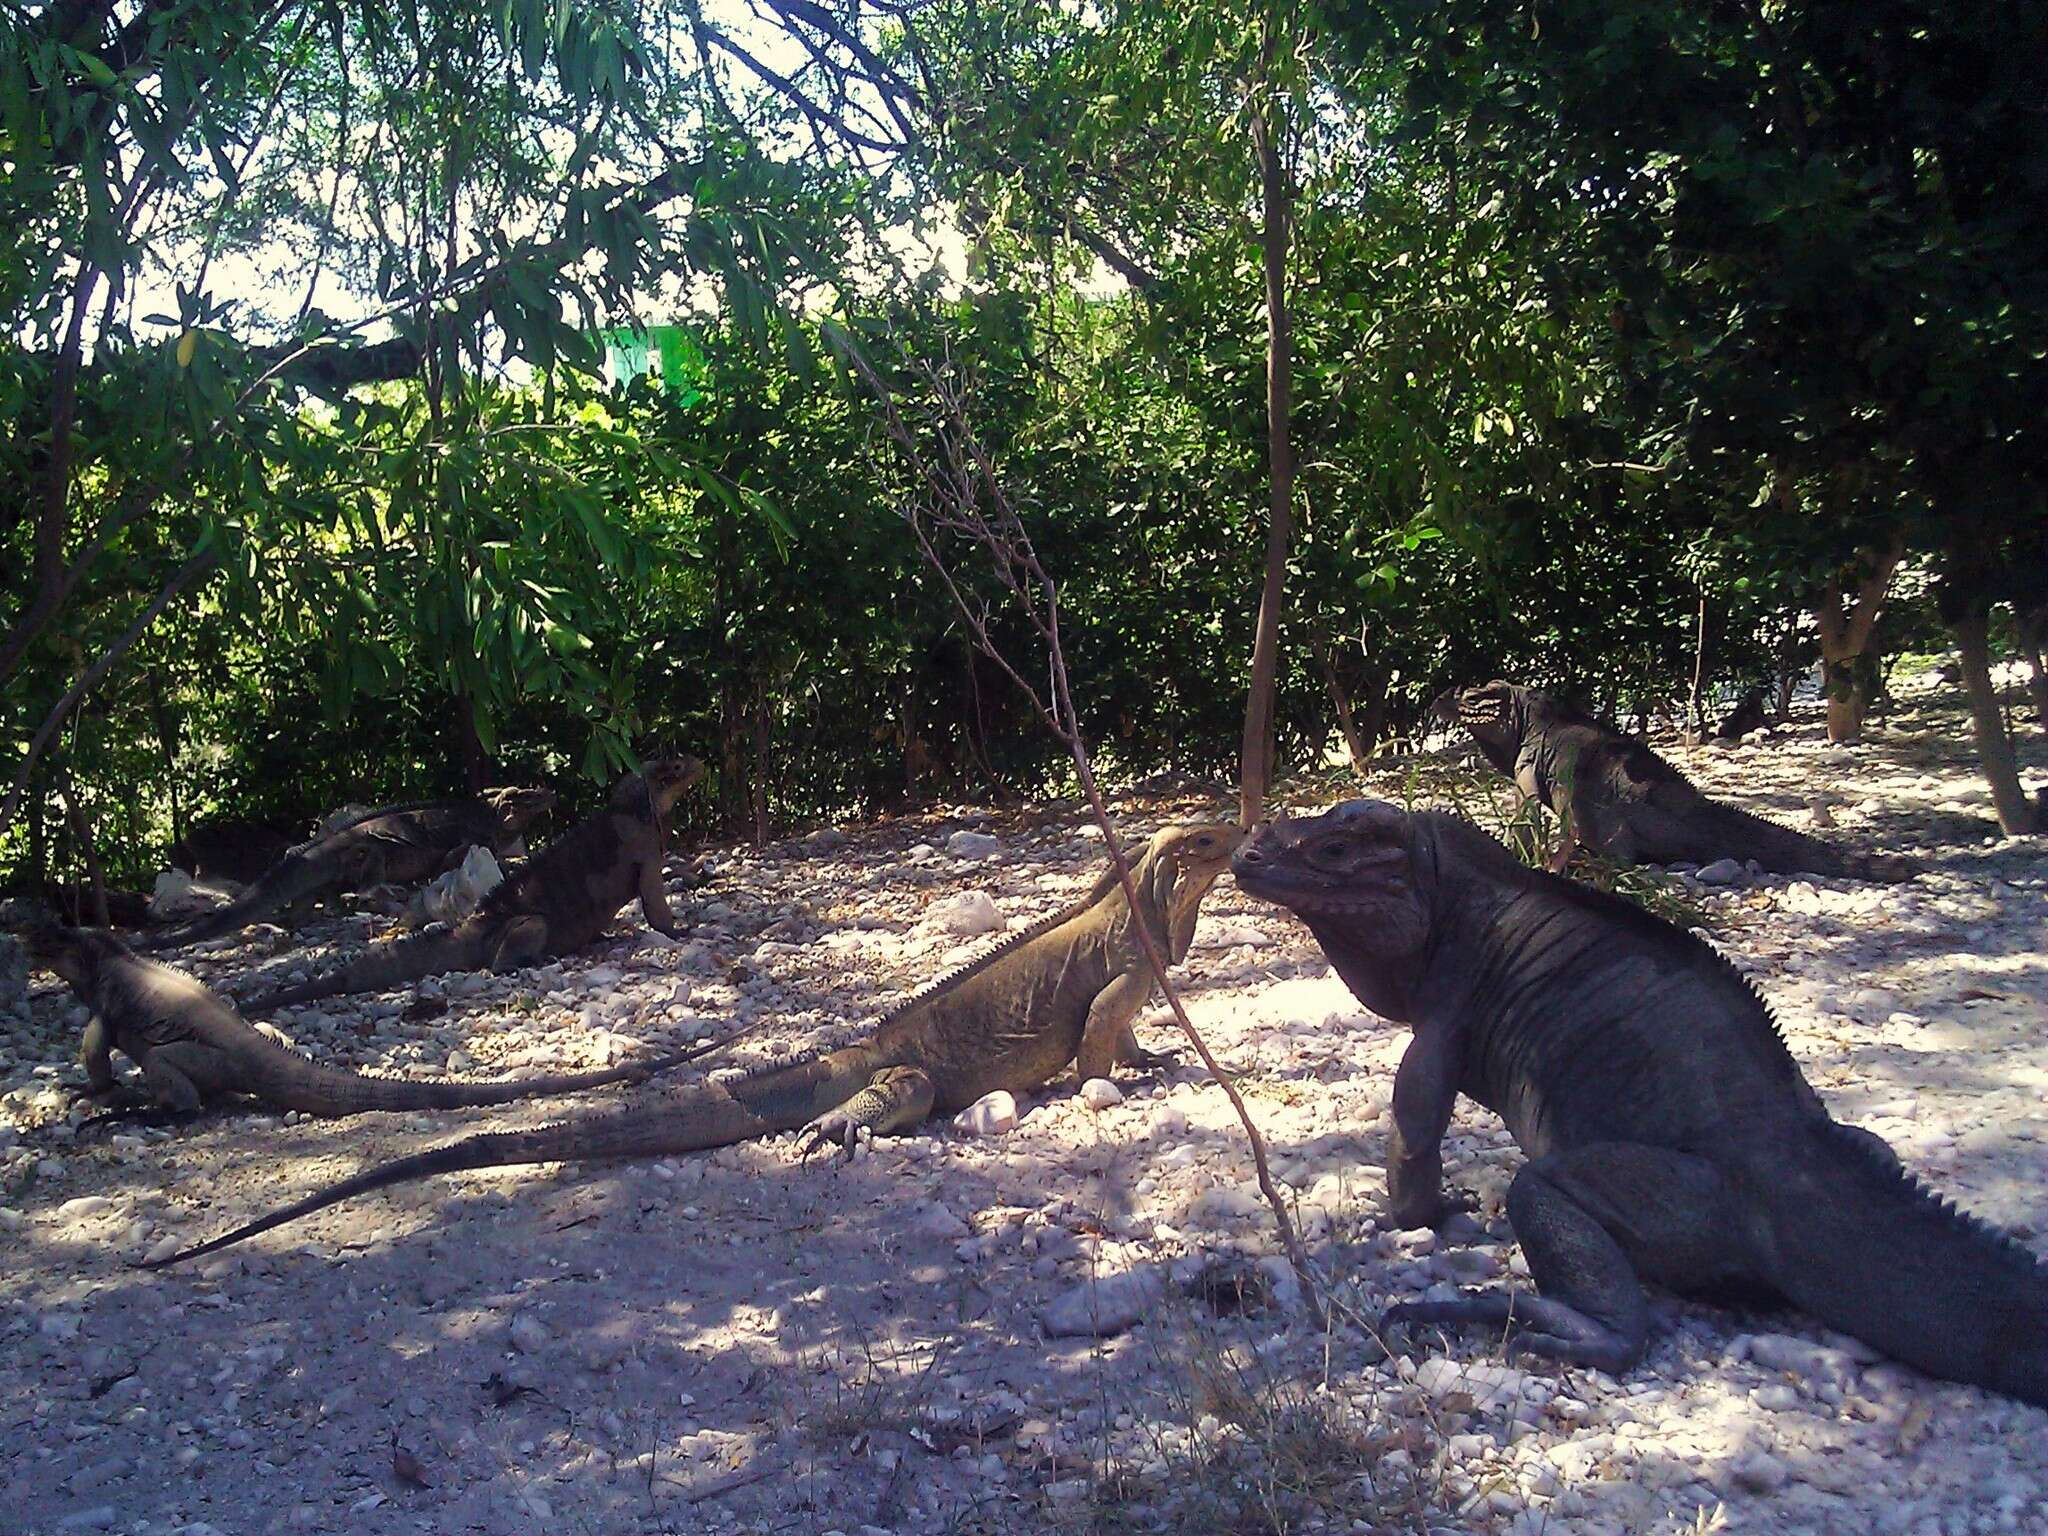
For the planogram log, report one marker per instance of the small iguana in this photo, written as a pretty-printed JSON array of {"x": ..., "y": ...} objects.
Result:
[
  {"x": 193, "y": 1048},
  {"x": 562, "y": 900},
  {"x": 1670, "y": 1134},
  {"x": 1063, "y": 990},
  {"x": 1618, "y": 797},
  {"x": 404, "y": 843}
]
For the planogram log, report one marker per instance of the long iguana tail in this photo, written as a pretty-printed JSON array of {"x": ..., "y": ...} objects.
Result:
[
  {"x": 695, "y": 1122},
  {"x": 388, "y": 966},
  {"x": 1870, "y": 1251},
  {"x": 316, "y": 1089},
  {"x": 1738, "y": 834},
  {"x": 291, "y": 879}
]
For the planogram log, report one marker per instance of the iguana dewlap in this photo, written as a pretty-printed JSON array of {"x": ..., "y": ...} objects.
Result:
[
  {"x": 1671, "y": 1136},
  {"x": 1064, "y": 991}
]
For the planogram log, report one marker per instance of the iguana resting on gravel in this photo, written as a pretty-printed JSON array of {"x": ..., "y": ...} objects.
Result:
[
  {"x": 404, "y": 843},
  {"x": 1671, "y": 1136},
  {"x": 562, "y": 900},
  {"x": 193, "y": 1048},
  {"x": 1064, "y": 990},
  {"x": 1618, "y": 797}
]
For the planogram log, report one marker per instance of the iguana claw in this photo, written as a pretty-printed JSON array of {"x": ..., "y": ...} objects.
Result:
[{"x": 836, "y": 1129}]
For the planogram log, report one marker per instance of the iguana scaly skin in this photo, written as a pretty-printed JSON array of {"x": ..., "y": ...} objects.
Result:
[
  {"x": 194, "y": 1049},
  {"x": 1671, "y": 1136},
  {"x": 1064, "y": 990},
  {"x": 404, "y": 843},
  {"x": 562, "y": 900},
  {"x": 1618, "y": 797}
]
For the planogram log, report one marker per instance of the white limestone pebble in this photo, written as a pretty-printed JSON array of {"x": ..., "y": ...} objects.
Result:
[
  {"x": 1101, "y": 1093},
  {"x": 972, "y": 845},
  {"x": 1722, "y": 872},
  {"x": 990, "y": 1115},
  {"x": 967, "y": 913},
  {"x": 1103, "y": 1305}
]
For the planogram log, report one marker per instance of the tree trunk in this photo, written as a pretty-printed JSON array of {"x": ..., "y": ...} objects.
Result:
[
  {"x": 2016, "y": 812},
  {"x": 1788, "y": 668},
  {"x": 2033, "y": 624},
  {"x": 1848, "y": 663},
  {"x": 167, "y": 743},
  {"x": 764, "y": 741},
  {"x": 1696, "y": 706},
  {"x": 1255, "y": 757},
  {"x": 87, "y": 848},
  {"x": 469, "y": 746}
]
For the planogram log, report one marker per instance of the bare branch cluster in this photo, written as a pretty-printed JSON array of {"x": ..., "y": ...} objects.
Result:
[{"x": 958, "y": 501}]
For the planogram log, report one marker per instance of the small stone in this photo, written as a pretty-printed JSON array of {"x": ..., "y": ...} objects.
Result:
[
  {"x": 83, "y": 1206},
  {"x": 935, "y": 1221},
  {"x": 1098, "y": 1308},
  {"x": 1101, "y": 1093},
  {"x": 1759, "y": 1473},
  {"x": 95, "y": 1517},
  {"x": 163, "y": 1248},
  {"x": 529, "y": 1334},
  {"x": 972, "y": 845},
  {"x": 990, "y": 1115},
  {"x": 1721, "y": 872}
]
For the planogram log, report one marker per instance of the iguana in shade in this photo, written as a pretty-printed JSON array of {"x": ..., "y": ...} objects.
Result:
[
  {"x": 194, "y": 1049},
  {"x": 1670, "y": 1134},
  {"x": 562, "y": 900},
  {"x": 403, "y": 843},
  {"x": 1064, "y": 990},
  {"x": 1618, "y": 797}
]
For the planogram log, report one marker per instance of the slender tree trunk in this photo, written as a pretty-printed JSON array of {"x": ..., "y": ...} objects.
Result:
[
  {"x": 88, "y": 849},
  {"x": 764, "y": 740},
  {"x": 1788, "y": 667},
  {"x": 469, "y": 746},
  {"x": 1848, "y": 663},
  {"x": 1255, "y": 758},
  {"x": 2033, "y": 623},
  {"x": 1697, "y": 704},
  {"x": 167, "y": 744},
  {"x": 2016, "y": 812}
]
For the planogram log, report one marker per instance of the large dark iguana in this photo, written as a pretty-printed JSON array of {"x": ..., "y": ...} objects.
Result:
[
  {"x": 403, "y": 843},
  {"x": 1064, "y": 990},
  {"x": 562, "y": 900},
  {"x": 1618, "y": 797},
  {"x": 193, "y": 1048},
  {"x": 1671, "y": 1136}
]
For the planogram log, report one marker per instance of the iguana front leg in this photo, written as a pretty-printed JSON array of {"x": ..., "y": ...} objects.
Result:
[
  {"x": 1425, "y": 1092},
  {"x": 654, "y": 899},
  {"x": 895, "y": 1099},
  {"x": 1107, "y": 1037},
  {"x": 95, "y": 1054}
]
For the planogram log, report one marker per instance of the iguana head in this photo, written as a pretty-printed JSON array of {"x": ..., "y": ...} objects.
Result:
[
  {"x": 1360, "y": 868},
  {"x": 519, "y": 808},
  {"x": 1186, "y": 860},
  {"x": 1493, "y": 713},
  {"x": 664, "y": 781},
  {"x": 73, "y": 953}
]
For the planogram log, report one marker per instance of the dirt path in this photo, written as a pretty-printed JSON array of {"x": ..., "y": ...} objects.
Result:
[{"x": 742, "y": 1342}]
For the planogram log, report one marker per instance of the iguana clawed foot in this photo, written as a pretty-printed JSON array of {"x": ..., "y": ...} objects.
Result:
[
  {"x": 837, "y": 1129},
  {"x": 147, "y": 1111},
  {"x": 1532, "y": 1322}
]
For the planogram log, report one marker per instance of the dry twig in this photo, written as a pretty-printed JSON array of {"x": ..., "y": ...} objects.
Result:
[{"x": 961, "y": 498}]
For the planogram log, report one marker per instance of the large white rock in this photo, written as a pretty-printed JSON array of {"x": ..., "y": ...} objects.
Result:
[
  {"x": 968, "y": 912},
  {"x": 990, "y": 1115},
  {"x": 972, "y": 845},
  {"x": 1104, "y": 1305}
]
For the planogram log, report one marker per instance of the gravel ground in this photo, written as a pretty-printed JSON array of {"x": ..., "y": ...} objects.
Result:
[{"x": 740, "y": 1341}]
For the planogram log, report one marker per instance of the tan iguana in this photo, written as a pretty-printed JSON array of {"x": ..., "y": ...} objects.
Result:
[
  {"x": 194, "y": 1049},
  {"x": 1064, "y": 990},
  {"x": 403, "y": 843},
  {"x": 562, "y": 900}
]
